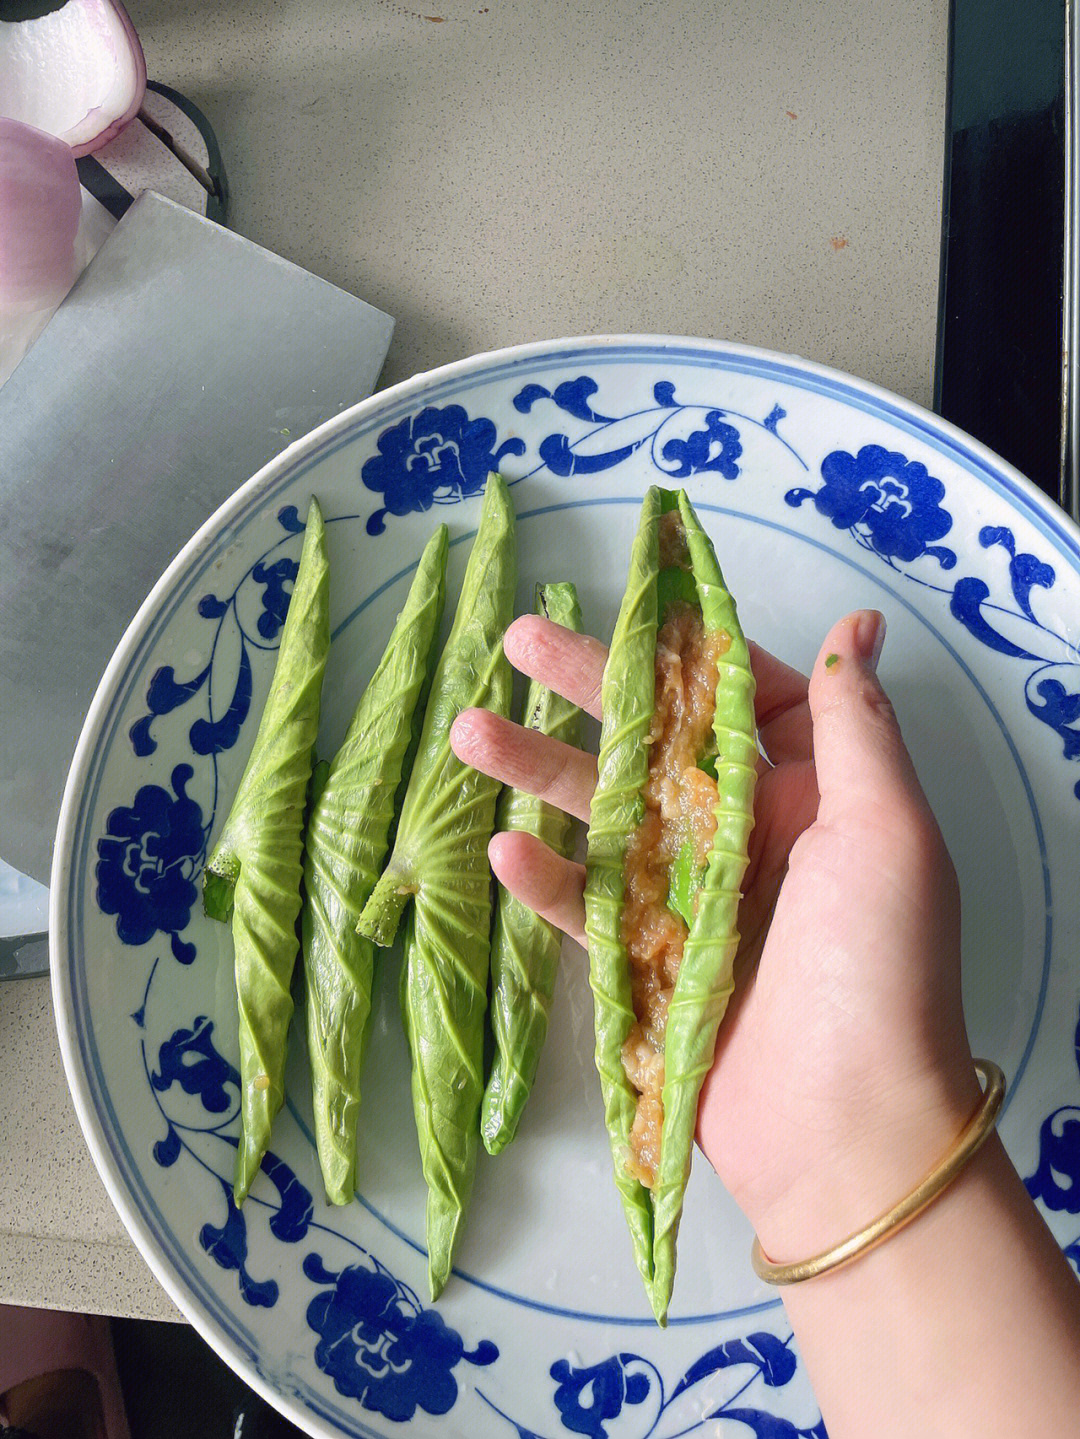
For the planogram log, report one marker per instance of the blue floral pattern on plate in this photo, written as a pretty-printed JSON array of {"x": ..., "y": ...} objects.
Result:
[
  {"x": 589, "y": 1399},
  {"x": 436, "y": 457},
  {"x": 380, "y": 1346},
  {"x": 608, "y": 1386},
  {"x": 890, "y": 504},
  {"x": 147, "y": 862},
  {"x": 1056, "y": 1180},
  {"x": 376, "y": 1341},
  {"x": 382, "y": 1351}
]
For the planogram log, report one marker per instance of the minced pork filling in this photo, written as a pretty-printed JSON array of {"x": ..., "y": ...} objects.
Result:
[{"x": 679, "y": 805}]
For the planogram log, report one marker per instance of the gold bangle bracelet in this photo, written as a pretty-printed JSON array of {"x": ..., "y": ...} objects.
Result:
[{"x": 974, "y": 1134}]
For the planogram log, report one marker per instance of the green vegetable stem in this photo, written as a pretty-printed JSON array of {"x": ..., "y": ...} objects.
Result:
[
  {"x": 440, "y": 863},
  {"x": 347, "y": 838},
  {"x": 706, "y": 896},
  {"x": 253, "y": 876},
  {"x": 524, "y": 947}
]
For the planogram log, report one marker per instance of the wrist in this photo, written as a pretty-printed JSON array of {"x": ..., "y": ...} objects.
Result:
[{"x": 828, "y": 1187}]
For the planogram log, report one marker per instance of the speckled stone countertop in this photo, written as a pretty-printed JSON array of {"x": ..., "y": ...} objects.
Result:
[{"x": 495, "y": 171}]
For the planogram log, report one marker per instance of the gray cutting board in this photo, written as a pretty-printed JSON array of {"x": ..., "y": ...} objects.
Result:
[{"x": 184, "y": 358}]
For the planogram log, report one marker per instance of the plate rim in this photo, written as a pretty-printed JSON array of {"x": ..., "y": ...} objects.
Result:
[{"x": 1030, "y": 500}]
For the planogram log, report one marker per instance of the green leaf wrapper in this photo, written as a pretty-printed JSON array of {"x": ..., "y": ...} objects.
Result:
[
  {"x": 524, "y": 947},
  {"x": 706, "y": 975},
  {"x": 627, "y": 697},
  {"x": 253, "y": 875},
  {"x": 705, "y": 980},
  {"x": 440, "y": 862},
  {"x": 348, "y": 836}
]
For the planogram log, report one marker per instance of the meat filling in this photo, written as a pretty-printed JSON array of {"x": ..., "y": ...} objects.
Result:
[{"x": 680, "y": 800}]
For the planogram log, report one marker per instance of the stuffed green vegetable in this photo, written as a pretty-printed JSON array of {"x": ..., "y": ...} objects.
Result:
[
  {"x": 440, "y": 863},
  {"x": 348, "y": 835},
  {"x": 524, "y": 947},
  {"x": 253, "y": 876},
  {"x": 669, "y": 829}
]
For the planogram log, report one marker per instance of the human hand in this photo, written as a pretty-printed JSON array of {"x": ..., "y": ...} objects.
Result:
[{"x": 842, "y": 1069}]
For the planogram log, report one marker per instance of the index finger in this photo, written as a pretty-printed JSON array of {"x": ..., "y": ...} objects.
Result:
[
  {"x": 781, "y": 706},
  {"x": 573, "y": 666},
  {"x": 570, "y": 664}
]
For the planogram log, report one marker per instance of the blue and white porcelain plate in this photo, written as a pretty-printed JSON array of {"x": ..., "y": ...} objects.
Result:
[{"x": 822, "y": 494}]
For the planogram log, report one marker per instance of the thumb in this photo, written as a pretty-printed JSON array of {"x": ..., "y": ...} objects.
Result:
[{"x": 859, "y": 753}]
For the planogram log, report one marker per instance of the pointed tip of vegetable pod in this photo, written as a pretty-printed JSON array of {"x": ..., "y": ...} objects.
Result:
[
  {"x": 659, "y": 1299},
  {"x": 244, "y": 1176},
  {"x": 496, "y": 1136},
  {"x": 497, "y": 498},
  {"x": 431, "y": 567},
  {"x": 691, "y": 522},
  {"x": 315, "y": 524},
  {"x": 337, "y": 1159},
  {"x": 663, "y": 1279},
  {"x": 256, "y": 1117},
  {"x": 439, "y": 1271},
  {"x": 434, "y": 558},
  {"x": 496, "y": 1130},
  {"x": 445, "y": 1218},
  {"x": 258, "y": 1109},
  {"x": 557, "y": 600},
  {"x": 339, "y": 1190},
  {"x": 651, "y": 508}
]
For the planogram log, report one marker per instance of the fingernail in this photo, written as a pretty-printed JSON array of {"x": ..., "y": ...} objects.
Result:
[{"x": 869, "y": 637}]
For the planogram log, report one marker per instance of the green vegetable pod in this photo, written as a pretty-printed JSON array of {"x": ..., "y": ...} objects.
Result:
[
  {"x": 253, "y": 876},
  {"x": 524, "y": 947},
  {"x": 440, "y": 863},
  {"x": 704, "y": 895},
  {"x": 348, "y": 835}
]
